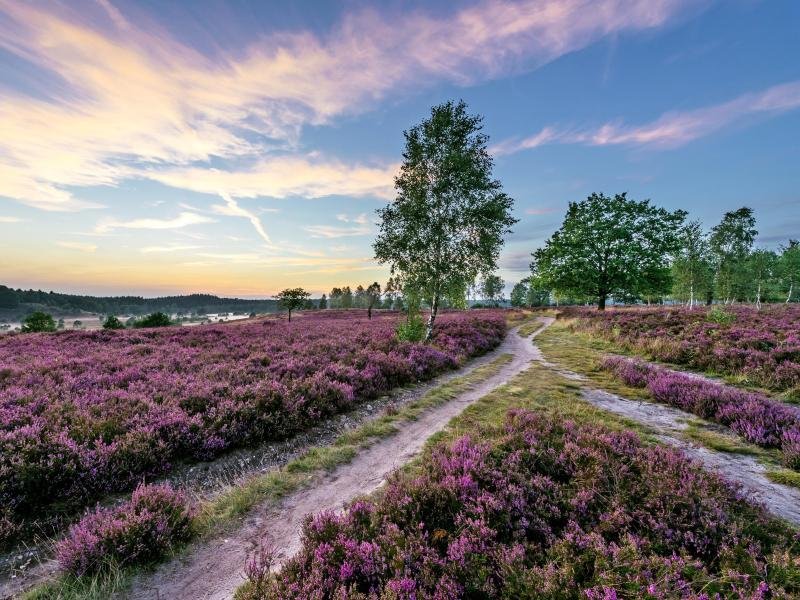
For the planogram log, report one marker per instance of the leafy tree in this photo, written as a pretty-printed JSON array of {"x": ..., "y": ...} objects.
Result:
[
  {"x": 347, "y": 297},
  {"x": 336, "y": 298},
  {"x": 77, "y": 324},
  {"x": 538, "y": 293},
  {"x": 292, "y": 299},
  {"x": 610, "y": 246},
  {"x": 323, "y": 302},
  {"x": 8, "y": 297},
  {"x": 492, "y": 289},
  {"x": 789, "y": 268},
  {"x": 519, "y": 294},
  {"x": 60, "y": 324},
  {"x": 446, "y": 224},
  {"x": 373, "y": 295},
  {"x": 38, "y": 322},
  {"x": 692, "y": 269},
  {"x": 112, "y": 322},
  {"x": 731, "y": 241},
  {"x": 762, "y": 266}
]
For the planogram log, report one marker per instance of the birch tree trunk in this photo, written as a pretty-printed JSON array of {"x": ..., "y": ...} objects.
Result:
[
  {"x": 432, "y": 317},
  {"x": 789, "y": 297}
]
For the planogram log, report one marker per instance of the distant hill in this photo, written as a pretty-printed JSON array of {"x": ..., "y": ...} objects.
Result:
[{"x": 18, "y": 303}]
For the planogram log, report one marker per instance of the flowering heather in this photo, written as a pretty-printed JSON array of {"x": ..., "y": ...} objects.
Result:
[
  {"x": 755, "y": 417},
  {"x": 87, "y": 413},
  {"x": 761, "y": 345},
  {"x": 546, "y": 509},
  {"x": 155, "y": 519}
]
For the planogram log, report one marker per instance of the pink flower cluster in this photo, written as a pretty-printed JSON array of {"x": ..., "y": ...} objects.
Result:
[
  {"x": 755, "y": 417},
  {"x": 87, "y": 413},
  {"x": 545, "y": 509},
  {"x": 762, "y": 345},
  {"x": 155, "y": 519}
]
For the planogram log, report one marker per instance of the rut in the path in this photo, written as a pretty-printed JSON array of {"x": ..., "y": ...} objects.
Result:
[{"x": 215, "y": 568}]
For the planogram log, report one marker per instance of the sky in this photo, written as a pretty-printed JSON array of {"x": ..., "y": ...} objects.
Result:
[{"x": 243, "y": 147}]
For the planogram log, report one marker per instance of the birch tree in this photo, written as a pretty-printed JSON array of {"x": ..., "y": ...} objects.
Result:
[
  {"x": 789, "y": 268},
  {"x": 447, "y": 222},
  {"x": 762, "y": 266},
  {"x": 731, "y": 242},
  {"x": 692, "y": 269}
]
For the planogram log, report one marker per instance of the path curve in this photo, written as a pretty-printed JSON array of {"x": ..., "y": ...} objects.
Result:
[{"x": 214, "y": 569}]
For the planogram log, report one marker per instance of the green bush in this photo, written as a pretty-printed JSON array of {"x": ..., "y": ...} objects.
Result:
[
  {"x": 113, "y": 322},
  {"x": 412, "y": 330},
  {"x": 38, "y": 321},
  {"x": 720, "y": 316}
]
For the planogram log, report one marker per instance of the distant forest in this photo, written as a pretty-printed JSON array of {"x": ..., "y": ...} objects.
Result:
[{"x": 14, "y": 303}]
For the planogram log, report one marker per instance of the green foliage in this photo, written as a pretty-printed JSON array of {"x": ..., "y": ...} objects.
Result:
[
  {"x": 720, "y": 316},
  {"x": 292, "y": 298},
  {"x": 692, "y": 267},
  {"x": 112, "y": 322},
  {"x": 38, "y": 322},
  {"x": 519, "y": 294},
  {"x": 156, "y": 319},
  {"x": 492, "y": 289},
  {"x": 789, "y": 268},
  {"x": 730, "y": 242},
  {"x": 8, "y": 297},
  {"x": 411, "y": 330},
  {"x": 447, "y": 222},
  {"x": 611, "y": 245}
]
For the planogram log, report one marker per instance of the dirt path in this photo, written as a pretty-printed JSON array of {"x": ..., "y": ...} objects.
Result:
[
  {"x": 214, "y": 569},
  {"x": 669, "y": 422}
]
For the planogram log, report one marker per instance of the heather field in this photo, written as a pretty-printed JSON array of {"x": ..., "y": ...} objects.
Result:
[
  {"x": 84, "y": 414},
  {"x": 758, "y": 347},
  {"x": 543, "y": 507}
]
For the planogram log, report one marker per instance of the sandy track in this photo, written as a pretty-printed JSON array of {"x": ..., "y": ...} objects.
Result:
[{"x": 214, "y": 569}]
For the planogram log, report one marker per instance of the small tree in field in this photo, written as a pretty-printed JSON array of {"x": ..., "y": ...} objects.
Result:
[
  {"x": 38, "y": 322},
  {"x": 112, "y": 322},
  {"x": 292, "y": 299},
  {"x": 156, "y": 319},
  {"x": 611, "y": 245},
  {"x": 446, "y": 224},
  {"x": 492, "y": 289}
]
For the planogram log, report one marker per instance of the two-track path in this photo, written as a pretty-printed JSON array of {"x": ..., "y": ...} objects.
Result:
[{"x": 213, "y": 569}]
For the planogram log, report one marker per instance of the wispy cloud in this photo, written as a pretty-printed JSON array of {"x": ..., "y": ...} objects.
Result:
[
  {"x": 80, "y": 246},
  {"x": 672, "y": 129},
  {"x": 131, "y": 99},
  {"x": 361, "y": 219},
  {"x": 10, "y": 219},
  {"x": 332, "y": 231},
  {"x": 541, "y": 210},
  {"x": 184, "y": 219}
]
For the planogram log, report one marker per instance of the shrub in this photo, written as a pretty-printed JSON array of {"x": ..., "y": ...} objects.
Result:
[
  {"x": 37, "y": 322},
  {"x": 155, "y": 520},
  {"x": 112, "y": 322},
  {"x": 411, "y": 330},
  {"x": 720, "y": 316},
  {"x": 544, "y": 509}
]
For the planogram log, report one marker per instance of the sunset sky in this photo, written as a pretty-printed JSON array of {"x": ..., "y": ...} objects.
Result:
[{"x": 242, "y": 147}]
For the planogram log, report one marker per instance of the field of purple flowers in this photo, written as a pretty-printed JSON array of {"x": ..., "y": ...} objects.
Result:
[
  {"x": 763, "y": 345},
  {"x": 755, "y": 417},
  {"x": 83, "y": 414},
  {"x": 544, "y": 509}
]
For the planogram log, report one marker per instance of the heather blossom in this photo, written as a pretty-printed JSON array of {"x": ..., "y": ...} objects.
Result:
[
  {"x": 544, "y": 508},
  {"x": 86, "y": 413}
]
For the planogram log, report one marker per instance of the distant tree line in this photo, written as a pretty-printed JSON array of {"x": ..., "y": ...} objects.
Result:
[
  {"x": 131, "y": 305},
  {"x": 632, "y": 251}
]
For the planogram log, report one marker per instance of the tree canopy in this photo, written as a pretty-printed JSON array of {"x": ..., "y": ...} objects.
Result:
[
  {"x": 291, "y": 299},
  {"x": 447, "y": 222},
  {"x": 611, "y": 245},
  {"x": 38, "y": 322}
]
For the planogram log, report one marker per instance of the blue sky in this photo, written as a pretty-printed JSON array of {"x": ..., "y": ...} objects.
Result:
[{"x": 242, "y": 147}]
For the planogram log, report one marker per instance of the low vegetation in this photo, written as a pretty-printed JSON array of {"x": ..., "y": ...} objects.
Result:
[
  {"x": 542, "y": 507},
  {"x": 88, "y": 413},
  {"x": 754, "y": 417},
  {"x": 760, "y": 347}
]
